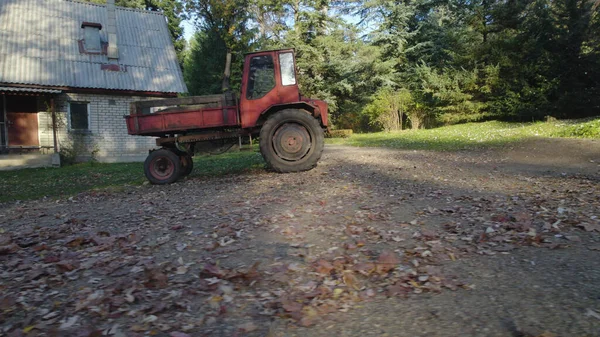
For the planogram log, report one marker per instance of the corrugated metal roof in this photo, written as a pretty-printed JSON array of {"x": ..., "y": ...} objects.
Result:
[
  {"x": 39, "y": 44},
  {"x": 34, "y": 90}
]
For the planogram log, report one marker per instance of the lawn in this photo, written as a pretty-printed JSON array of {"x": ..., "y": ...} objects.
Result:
[
  {"x": 30, "y": 184},
  {"x": 473, "y": 135},
  {"x": 38, "y": 183}
]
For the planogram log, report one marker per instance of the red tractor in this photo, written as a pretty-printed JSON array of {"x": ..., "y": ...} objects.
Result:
[{"x": 290, "y": 127}]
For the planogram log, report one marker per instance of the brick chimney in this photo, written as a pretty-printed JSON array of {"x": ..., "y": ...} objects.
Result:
[{"x": 111, "y": 30}]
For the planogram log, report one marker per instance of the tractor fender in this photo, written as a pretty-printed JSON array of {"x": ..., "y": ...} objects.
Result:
[{"x": 313, "y": 109}]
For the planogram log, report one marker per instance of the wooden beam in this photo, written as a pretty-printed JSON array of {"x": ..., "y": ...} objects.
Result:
[
  {"x": 54, "y": 131},
  {"x": 179, "y": 101},
  {"x": 200, "y": 137}
]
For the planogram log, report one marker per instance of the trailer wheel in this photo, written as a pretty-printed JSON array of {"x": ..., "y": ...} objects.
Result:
[
  {"x": 187, "y": 164},
  {"x": 162, "y": 167},
  {"x": 291, "y": 140}
]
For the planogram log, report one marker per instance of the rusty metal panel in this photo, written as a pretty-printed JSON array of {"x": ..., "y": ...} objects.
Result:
[
  {"x": 181, "y": 121},
  {"x": 39, "y": 44}
]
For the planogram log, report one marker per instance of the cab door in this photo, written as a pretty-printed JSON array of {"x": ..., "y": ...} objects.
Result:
[{"x": 263, "y": 85}]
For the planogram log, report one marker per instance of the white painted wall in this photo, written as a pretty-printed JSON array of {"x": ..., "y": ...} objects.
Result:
[{"x": 108, "y": 130}]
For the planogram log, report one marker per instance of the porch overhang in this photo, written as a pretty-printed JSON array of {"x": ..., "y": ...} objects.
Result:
[
  {"x": 8, "y": 91},
  {"x": 27, "y": 91}
]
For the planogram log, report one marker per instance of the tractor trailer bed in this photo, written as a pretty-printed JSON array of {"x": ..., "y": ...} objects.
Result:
[{"x": 180, "y": 115}]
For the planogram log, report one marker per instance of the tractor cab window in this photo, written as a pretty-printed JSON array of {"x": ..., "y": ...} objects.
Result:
[
  {"x": 288, "y": 71},
  {"x": 261, "y": 77}
]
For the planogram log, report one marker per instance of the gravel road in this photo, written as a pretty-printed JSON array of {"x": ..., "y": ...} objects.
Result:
[{"x": 373, "y": 242}]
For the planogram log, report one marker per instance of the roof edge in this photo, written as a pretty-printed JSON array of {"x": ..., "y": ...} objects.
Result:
[
  {"x": 117, "y": 7},
  {"x": 66, "y": 89}
]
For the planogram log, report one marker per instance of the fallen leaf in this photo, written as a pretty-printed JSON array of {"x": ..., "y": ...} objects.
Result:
[
  {"x": 28, "y": 328},
  {"x": 350, "y": 280},
  {"x": 6, "y": 302},
  {"x": 150, "y": 319},
  {"x": 364, "y": 268},
  {"x": 5, "y": 239},
  {"x": 588, "y": 227},
  {"x": 386, "y": 262},
  {"x": 179, "y": 334},
  {"x": 547, "y": 334},
  {"x": 67, "y": 323},
  {"x": 592, "y": 313},
  {"x": 212, "y": 270},
  {"x": 397, "y": 289},
  {"x": 573, "y": 238},
  {"x": 323, "y": 267},
  {"x": 67, "y": 265},
  {"x": 247, "y": 327},
  {"x": 292, "y": 306},
  {"x": 75, "y": 242},
  {"x": 155, "y": 278},
  {"x": 9, "y": 249}
]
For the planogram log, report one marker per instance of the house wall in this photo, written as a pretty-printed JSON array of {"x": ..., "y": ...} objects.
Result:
[{"x": 107, "y": 135}]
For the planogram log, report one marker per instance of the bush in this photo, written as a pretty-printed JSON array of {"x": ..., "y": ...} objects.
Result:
[
  {"x": 78, "y": 148},
  {"x": 344, "y": 133},
  {"x": 589, "y": 129}
]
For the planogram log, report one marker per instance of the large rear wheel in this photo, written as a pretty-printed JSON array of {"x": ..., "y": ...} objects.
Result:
[
  {"x": 162, "y": 167},
  {"x": 291, "y": 140}
]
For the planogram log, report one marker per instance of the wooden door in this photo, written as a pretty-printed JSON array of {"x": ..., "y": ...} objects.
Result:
[
  {"x": 2, "y": 124},
  {"x": 22, "y": 129},
  {"x": 22, "y": 120}
]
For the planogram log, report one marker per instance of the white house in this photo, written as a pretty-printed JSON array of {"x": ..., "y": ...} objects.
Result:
[{"x": 68, "y": 71}]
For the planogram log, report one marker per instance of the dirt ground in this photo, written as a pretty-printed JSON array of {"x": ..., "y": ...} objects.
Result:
[{"x": 373, "y": 242}]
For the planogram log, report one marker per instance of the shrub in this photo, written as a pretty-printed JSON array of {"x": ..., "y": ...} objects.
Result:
[
  {"x": 589, "y": 129},
  {"x": 344, "y": 133},
  {"x": 79, "y": 148}
]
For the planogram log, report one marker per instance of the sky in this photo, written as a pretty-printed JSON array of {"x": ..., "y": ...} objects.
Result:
[{"x": 188, "y": 29}]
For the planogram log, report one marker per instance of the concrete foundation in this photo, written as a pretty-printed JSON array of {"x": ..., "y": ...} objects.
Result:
[{"x": 20, "y": 161}]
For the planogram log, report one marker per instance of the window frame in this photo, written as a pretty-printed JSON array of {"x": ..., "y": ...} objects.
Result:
[
  {"x": 293, "y": 68},
  {"x": 86, "y": 27},
  {"x": 89, "y": 120},
  {"x": 253, "y": 85},
  {"x": 87, "y": 41}
]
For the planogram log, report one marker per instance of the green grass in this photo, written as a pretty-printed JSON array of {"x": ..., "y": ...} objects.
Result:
[
  {"x": 65, "y": 181},
  {"x": 228, "y": 163},
  {"x": 472, "y": 135},
  {"x": 27, "y": 184}
]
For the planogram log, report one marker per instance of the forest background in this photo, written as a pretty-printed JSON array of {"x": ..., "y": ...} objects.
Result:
[{"x": 389, "y": 65}]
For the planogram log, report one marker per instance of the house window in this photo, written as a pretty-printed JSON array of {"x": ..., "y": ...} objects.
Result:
[
  {"x": 79, "y": 116},
  {"x": 286, "y": 65},
  {"x": 91, "y": 42},
  {"x": 261, "y": 78},
  {"x": 92, "y": 39}
]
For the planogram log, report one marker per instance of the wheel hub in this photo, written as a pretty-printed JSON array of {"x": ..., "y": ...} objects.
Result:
[
  {"x": 162, "y": 167},
  {"x": 291, "y": 141}
]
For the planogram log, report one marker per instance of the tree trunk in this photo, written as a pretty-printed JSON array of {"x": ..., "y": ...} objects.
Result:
[
  {"x": 227, "y": 74},
  {"x": 296, "y": 9}
]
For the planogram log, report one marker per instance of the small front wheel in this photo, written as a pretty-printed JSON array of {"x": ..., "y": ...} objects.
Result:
[
  {"x": 291, "y": 140},
  {"x": 162, "y": 167},
  {"x": 187, "y": 164}
]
